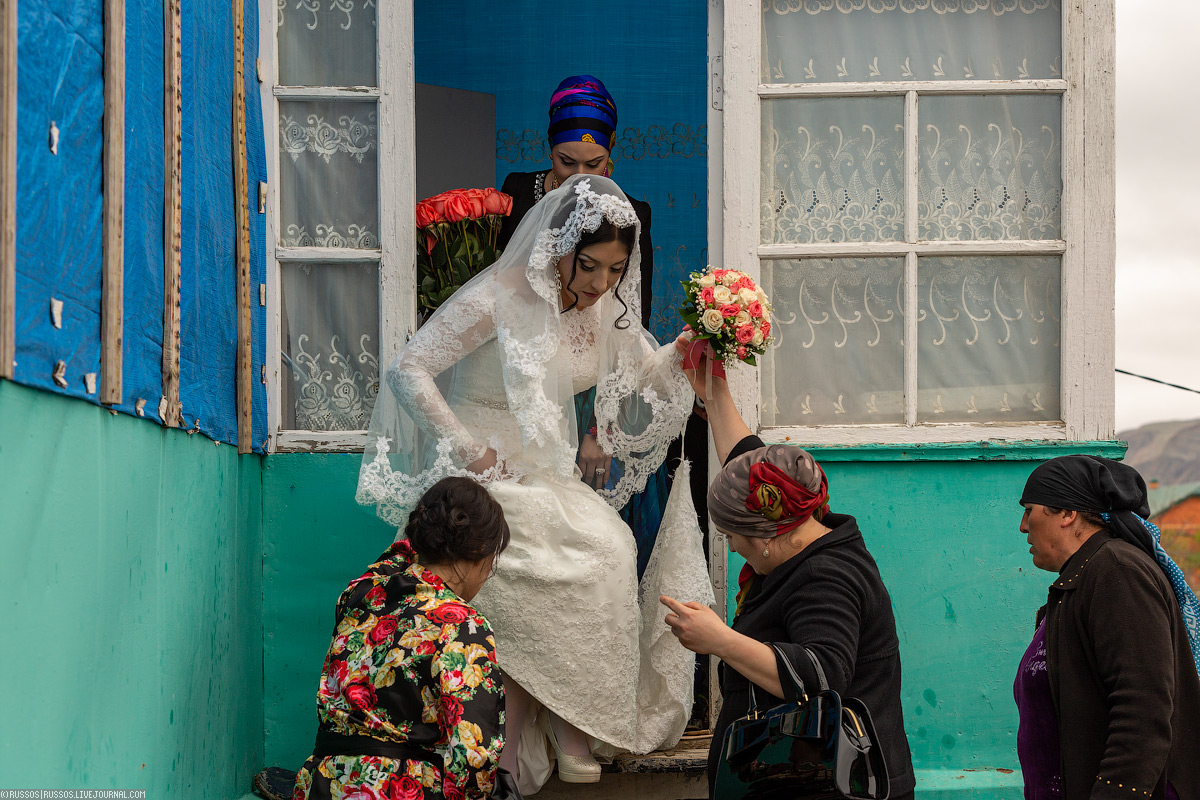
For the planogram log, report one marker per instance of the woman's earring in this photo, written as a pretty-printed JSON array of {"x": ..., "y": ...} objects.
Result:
[
  {"x": 608, "y": 170},
  {"x": 766, "y": 552}
]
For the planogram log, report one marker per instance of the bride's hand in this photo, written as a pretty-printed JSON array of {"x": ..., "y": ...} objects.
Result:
[
  {"x": 698, "y": 376},
  {"x": 593, "y": 462},
  {"x": 485, "y": 462}
]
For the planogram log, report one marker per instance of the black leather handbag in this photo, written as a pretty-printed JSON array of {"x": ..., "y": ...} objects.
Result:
[{"x": 821, "y": 746}]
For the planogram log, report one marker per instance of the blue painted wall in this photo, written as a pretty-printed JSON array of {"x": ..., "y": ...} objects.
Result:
[
  {"x": 656, "y": 72},
  {"x": 131, "y": 587}
]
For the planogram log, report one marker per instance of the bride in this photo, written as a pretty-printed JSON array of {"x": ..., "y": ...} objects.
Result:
[{"x": 485, "y": 389}]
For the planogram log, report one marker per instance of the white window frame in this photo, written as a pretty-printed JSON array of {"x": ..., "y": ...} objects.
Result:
[
  {"x": 396, "y": 143},
  {"x": 1087, "y": 249}
]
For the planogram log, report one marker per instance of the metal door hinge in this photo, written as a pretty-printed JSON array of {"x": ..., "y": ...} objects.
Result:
[{"x": 716, "y": 80}]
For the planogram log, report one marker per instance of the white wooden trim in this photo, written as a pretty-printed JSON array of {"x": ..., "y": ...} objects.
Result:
[
  {"x": 741, "y": 168},
  {"x": 1089, "y": 220},
  {"x": 911, "y": 323},
  {"x": 1087, "y": 247},
  {"x": 396, "y": 255},
  {"x": 940, "y": 248},
  {"x": 911, "y": 167},
  {"x": 944, "y": 433},
  {"x": 320, "y": 441},
  {"x": 718, "y": 559},
  {"x": 267, "y": 71},
  {"x": 779, "y": 91},
  {"x": 397, "y": 180},
  {"x": 327, "y": 255},
  {"x": 326, "y": 92}
]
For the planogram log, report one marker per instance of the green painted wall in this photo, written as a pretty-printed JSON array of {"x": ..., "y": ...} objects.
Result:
[
  {"x": 317, "y": 539},
  {"x": 131, "y": 588},
  {"x": 942, "y": 522}
]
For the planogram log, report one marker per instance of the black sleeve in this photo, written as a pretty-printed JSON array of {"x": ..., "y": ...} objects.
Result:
[
  {"x": 751, "y": 442},
  {"x": 1136, "y": 665},
  {"x": 823, "y": 613},
  {"x": 646, "y": 245},
  {"x": 519, "y": 186}
]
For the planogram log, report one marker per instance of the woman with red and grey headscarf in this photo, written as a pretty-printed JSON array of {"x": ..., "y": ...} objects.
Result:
[{"x": 809, "y": 583}]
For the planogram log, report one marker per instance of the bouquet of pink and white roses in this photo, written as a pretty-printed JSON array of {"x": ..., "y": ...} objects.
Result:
[{"x": 727, "y": 310}]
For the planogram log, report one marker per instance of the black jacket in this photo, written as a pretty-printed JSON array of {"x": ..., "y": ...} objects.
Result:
[
  {"x": 1122, "y": 677},
  {"x": 520, "y": 185},
  {"x": 831, "y": 599}
]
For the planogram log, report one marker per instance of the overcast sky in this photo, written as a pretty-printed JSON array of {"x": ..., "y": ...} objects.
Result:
[{"x": 1158, "y": 209}]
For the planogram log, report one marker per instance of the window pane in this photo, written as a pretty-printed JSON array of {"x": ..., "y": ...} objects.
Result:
[
  {"x": 990, "y": 167},
  {"x": 328, "y": 174},
  {"x": 988, "y": 339},
  {"x": 903, "y": 40},
  {"x": 833, "y": 170},
  {"x": 326, "y": 44},
  {"x": 838, "y": 355},
  {"x": 330, "y": 336}
]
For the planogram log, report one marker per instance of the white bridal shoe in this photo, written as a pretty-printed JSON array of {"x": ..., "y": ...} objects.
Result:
[{"x": 571, "y": 769}]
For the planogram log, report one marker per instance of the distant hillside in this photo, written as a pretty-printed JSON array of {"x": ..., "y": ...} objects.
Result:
[{"x": 1167, "y": 452}]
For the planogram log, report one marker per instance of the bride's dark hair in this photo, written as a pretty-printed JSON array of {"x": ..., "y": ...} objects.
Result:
[{"x": 605, "y": 232}]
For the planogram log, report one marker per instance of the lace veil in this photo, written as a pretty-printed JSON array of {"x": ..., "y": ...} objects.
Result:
[{"x": 497, "y": 366}]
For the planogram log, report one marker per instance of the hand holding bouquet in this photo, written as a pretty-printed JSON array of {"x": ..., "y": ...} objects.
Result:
[
  {"x": 727, "y": 312},
  {"x": 456, "y": 239}
]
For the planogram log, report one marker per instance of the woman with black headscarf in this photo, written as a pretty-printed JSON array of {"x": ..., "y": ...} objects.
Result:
[{"x": 1108, "y": 690}]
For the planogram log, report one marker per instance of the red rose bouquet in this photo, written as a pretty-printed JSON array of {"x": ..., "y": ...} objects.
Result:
[
  {"x": 456, "y": 239},
  {"x": 728, "y": 312}
]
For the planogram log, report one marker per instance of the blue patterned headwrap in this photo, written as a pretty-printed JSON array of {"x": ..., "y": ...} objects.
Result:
[
  {"x": 582, "y": 110},
  {"x": 1117, "y": 492}
]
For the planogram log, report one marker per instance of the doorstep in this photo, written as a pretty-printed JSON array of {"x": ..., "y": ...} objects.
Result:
[{"x": 689, "y": 757}]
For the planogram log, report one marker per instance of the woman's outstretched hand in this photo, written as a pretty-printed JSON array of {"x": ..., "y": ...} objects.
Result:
[
  {"x": 696, "y": 626},
  {"x": 593, "y": 462}
]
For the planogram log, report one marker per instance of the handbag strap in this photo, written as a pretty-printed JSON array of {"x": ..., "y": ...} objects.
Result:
[
  {"x": 824, "y": 684},
  {"x": 789, "y": 669}
]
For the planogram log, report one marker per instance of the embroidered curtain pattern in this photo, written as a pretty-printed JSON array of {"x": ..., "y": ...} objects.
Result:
[
  {"x": 330, "y": 345},
  {"x": 808, "y": 41},
  {"x": 326, "y": 42},
  {"x": 988, "y": 168},
  {"x": 987, "y": 340},
  {"x": 328, "y": 198},
  {"x": 833, "y": 170},
  {"x": 839, "y": 329}
]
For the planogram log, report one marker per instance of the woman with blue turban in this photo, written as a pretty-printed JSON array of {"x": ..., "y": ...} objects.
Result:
[{"x": 582, "y": 134}]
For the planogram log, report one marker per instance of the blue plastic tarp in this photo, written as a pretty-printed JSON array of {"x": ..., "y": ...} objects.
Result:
[
  {"x": 60, "y": 94},
  {"x": 60, "y": 207}
]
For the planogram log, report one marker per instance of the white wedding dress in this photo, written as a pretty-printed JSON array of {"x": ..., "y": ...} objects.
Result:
[{"x": 494, "y": 369}]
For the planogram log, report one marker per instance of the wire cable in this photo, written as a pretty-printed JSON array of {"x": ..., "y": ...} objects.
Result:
[{"x": 1156, "y": 380}]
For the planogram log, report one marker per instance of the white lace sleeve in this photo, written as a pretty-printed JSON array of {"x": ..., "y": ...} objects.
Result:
[
  {"x": 641, "y": 406},
  {"x": 466, "y": 323}
]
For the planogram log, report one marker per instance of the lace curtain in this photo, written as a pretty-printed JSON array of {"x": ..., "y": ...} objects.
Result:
[
  {"x": 326, "y": 42},
  {"x": 989, "y": 167},
  {"x": 330, "y": 335},
  {"x": 988, "y": 346},
  {"x": 903, "y": 40}
]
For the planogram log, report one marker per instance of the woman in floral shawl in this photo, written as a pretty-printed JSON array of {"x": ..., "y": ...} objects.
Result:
[{"x": 410, "y": 704}]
